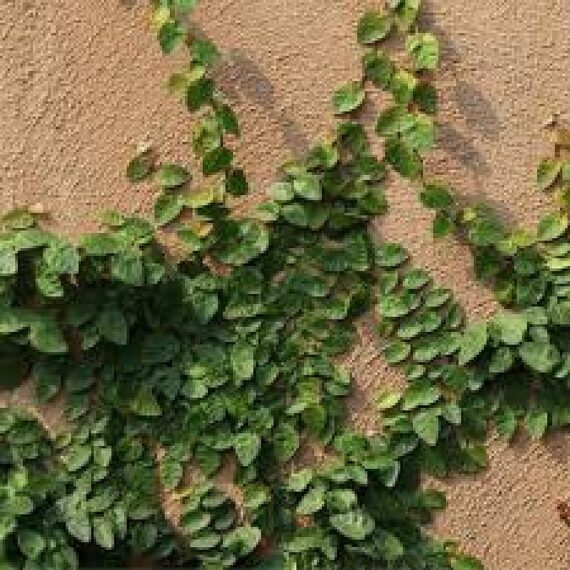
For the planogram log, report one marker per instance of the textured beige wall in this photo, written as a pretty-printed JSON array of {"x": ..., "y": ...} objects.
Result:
[{"x": 82, "y": 84}]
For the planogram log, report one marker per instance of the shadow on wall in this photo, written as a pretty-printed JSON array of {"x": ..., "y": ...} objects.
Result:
[
  {"x": 470, "y": 104},
  {"x": 240, "y": 78}
]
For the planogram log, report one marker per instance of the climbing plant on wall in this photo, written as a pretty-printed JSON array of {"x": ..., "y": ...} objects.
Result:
[{"x": 221, "y": 354}]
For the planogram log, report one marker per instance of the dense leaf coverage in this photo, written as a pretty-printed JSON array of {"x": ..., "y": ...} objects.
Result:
[{"x": 227, "y": 355}]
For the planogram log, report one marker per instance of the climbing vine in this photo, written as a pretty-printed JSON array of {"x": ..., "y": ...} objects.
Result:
[{"x": 199, "y": 377}]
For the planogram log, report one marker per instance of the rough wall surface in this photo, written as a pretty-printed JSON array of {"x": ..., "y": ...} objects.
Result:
[{"x": 82, "y": 84}]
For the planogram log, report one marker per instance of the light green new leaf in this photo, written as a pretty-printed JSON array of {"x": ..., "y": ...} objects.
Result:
[
  {"x": 552, "y": 226},
  {"x": 472, "y": 343},
  {"x": 145, "y": 404},
  {"x": 355, "y": 525},
  {"x": 539, "y": 355},
  {"x": 420, "y": 394},
  {"x": 511, "y": 327},
  {"x": 312, "y": 502},
  {"x": 247, "y": 446},
  {"x": 103, "y": 532},
  {"x": 8, "y": 260},
  {"x": 406, "y": 13},
  {"x": 242, "y": 540},
  {"x": 242, "y": 357},
  {"x": 426, "y": 425},
  {"x": 547, "y": 173},
  {"x": 308, "y": 186},
  {"x": 348, "y": 98},
  {"x": 172, "y": 176},
  {"x": 31, "y": 543},
  {"x": 424, "y": 49},
  {"x": 374, "y": 26},
  {"x": 168, "y": 207}
]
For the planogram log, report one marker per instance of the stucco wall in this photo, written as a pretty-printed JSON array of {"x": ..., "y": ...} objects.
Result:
[{"x": 82, "y": 84}]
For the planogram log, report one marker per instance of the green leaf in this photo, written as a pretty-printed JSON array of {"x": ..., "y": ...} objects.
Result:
[
  {"x": 354, "y": 525},
  {"x": 217, "y": 160},
  {"x": 404, "y": 159},
  {"x": 46, "y": 336},
  {"x": 236, "y": 182},
  {"x": 388, "y": 400},
  {"x": 199, "y": 93},
  {"x": 473, "y": 342},
  {"x": 426, "y": 425},
  {"x": 390, "y": 255},
  {"x": 205, "y": 540},
  {"x": 443, "y": 225},
  {"x": 374, "y": 26},
  {"x": 299, "y": 480},
  {"x": 424, "y": 49},
  {"x": 228, "y": 120},
  {"x": 242, "y": 540},
  {"x": 127, "y": 267},
  {"x": 77, "y": 457},
  {"x": 420, "y": 394},
  {"x": 396, "y": 352},
  {"x": 145, "y": 404},
  {"x": 378, "y": 69},
  {"x": 406, "y": 13},
  {"x": 312, "y": 502},
  {"x": 552, "y": 226},
  {"x": 282, "y": 192},
  {"x": 61, "y": 258},
  {"x": 403, "y": 86},
  {"x": 140, "y": 167},
  {"x": 506, "y": 422},
  {"x": 195, "y": 521},
  {"x": 348, "y": 98},
  {"x": 170, "y": 36},
  {"x": 8, "y": 260},
  {"x": 466, "y": 563},
  {"x": 246, "y": 240},
  {"x": 78, "y": 525},
  {"x": 204, "y": 52},
  {"x": 540, "y": 356},
  {"x": 247, "y": 446},
  {"x": 242, "y": 357},
  {"x": 511, "y": 327},
  {"x": 172, "y": 176},
  {"x": 31, "y": 543},
  {"x": 113, "y": 326},
  {"x": 285, "y": 441},
  {"x": 547, "y": 173},
  {"x": 436, "y": 197},
  {"x": 394, "y": 306},
  {"x": 168, "y": 207},
  {"x": 536, "y": 422}
]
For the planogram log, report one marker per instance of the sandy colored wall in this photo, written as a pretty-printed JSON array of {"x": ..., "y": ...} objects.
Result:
[{"x": 82, "y": 84}]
